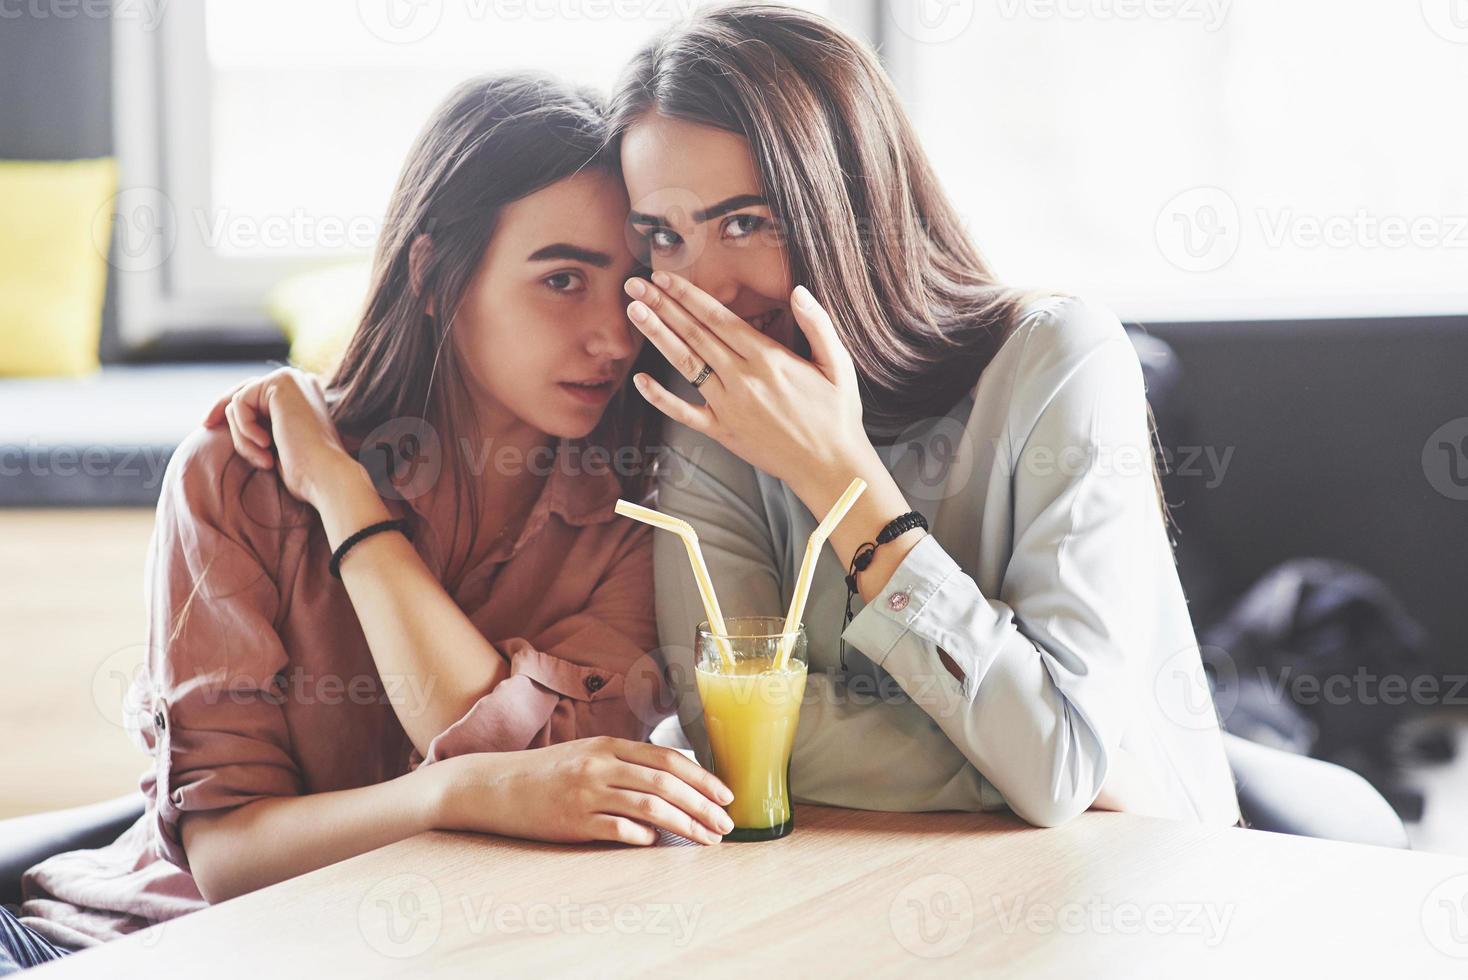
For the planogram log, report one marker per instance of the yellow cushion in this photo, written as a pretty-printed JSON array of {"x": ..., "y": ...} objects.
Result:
[
  {"x": 318, "y": 313},
  {"x": 52, "y": 275}
]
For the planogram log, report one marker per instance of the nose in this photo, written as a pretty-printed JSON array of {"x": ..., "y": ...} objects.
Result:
[
  {"x": 714, "y": 274},
  {"x": 612, "y": 336}
]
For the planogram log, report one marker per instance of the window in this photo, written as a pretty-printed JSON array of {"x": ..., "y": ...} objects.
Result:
[
  {"x": 262, "y": 137},
  {"x": 1176, "y": 159},
  {"x": 1188, "y": 159}
]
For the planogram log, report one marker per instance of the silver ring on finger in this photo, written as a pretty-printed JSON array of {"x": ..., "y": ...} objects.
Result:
[{"x": 703, "y": 376}]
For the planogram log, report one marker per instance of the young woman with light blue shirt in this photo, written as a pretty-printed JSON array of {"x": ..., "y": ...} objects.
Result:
[{"x": 826, "y": 317}]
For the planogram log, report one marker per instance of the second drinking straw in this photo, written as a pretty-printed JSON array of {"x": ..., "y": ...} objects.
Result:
[
  {"x": 813, "y": 547},
  {"x": 685, "y": 531}
]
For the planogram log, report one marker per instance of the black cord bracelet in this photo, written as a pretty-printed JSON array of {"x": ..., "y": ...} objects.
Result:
[
  {"x": 401, "y": 524},
  {"x": 860, "y": 561}
]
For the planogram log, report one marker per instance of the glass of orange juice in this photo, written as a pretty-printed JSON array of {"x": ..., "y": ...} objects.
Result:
[{"x": 751, "y": 713}]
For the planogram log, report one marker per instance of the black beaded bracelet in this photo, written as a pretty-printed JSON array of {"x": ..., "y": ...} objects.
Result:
[
  {"x": 401, "y": 524},
  {"x": 860, "y": 561}
]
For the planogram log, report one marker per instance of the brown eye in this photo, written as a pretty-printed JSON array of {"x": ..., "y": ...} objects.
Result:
[
  {"x": 564, "y": 282},
  {"x": 743, "y": 225}
]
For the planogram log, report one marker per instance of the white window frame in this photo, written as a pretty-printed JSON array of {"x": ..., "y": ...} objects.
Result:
[{"x": 169, "y": 280}]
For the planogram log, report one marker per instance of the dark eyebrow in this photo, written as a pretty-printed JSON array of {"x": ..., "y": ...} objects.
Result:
[
  {"x": 561, "y": 251},
  {"x": 699, "y": 217}
]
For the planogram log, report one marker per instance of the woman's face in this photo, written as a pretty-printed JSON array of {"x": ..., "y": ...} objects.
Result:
[
  {"x": 698, "y": 202},
  {"x": 543, "y": 329}
]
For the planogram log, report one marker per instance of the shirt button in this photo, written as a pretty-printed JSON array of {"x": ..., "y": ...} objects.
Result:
[
  {"x": 159, "y": 722},
  {"x": 897, "y": 601},
  {"x": 595, "y": 683}
]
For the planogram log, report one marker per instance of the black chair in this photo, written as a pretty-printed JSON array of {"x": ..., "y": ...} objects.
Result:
[
  {"x": 1279, "y": 791},
  {"x": 27, "y": 841}
]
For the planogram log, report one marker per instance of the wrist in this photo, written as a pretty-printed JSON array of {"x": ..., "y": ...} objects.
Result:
[
  {"x": 455, "y": 797},
  {"x": 338, "y": 474},
  {"x": 820, "y": 484},
  {"x": 881, "y": 502},
  {"x": 440, "y": 796},
  {"x": 346, "y": 499}
]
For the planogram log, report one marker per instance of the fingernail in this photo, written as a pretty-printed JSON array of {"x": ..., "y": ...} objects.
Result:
[
  {"x": 726, "y": 825},
  {"x": 638, "y": 311},
  {"x": 803, "y": 298},
  {"x": 726, "y": 795},
  {"x": 635, "y": 288},
  {"x": 662, "y": 279}
]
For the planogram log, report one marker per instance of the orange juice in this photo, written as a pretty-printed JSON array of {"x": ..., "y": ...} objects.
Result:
[{"x": 751, "y": 715}]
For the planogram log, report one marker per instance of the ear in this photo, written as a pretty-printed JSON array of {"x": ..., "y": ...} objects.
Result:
[{"x": 420, "y": 253}]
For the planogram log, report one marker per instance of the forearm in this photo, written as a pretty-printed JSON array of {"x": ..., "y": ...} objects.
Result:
[
  {"x": 413, "y": 626},
  {"x": 1029, "y": 718},
  {"x": 883, "y": 500},
  {"x": 878, "y": 505},
  {"x": 233, "y": 852}
]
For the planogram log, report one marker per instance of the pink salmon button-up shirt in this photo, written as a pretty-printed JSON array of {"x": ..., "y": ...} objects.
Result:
[{"x": 266, "y": 686}]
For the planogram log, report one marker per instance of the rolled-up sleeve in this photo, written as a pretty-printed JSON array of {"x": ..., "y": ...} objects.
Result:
[
  {"x": 208, "y": 704},
  {"x": 1042, "y": 705},
  {"x": 591, "y": 673}
]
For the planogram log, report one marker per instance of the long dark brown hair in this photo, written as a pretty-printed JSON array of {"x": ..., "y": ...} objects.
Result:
[
  {"x": 865, "y": 222},
  {"x": 494, "y": 140},
  {"x": 867, "y": 227}
]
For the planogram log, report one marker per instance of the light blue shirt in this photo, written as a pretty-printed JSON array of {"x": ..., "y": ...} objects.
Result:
[{"x": 1048, "y": 578}]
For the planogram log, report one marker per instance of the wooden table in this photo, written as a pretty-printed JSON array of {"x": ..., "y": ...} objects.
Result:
[{"x": 850, "y": 892}]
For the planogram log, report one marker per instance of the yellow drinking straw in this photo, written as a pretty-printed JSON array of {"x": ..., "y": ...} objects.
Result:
[
  {"x": 813, "y": 547},
  {"x": 685, "y": 531}
]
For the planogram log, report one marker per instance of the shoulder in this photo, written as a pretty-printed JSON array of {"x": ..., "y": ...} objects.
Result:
[
  {"x": 206, "y": 481},
  {"x": 1056, "y": 335},
  {"x": 1068, "y": 354},
  {"x": 199, "y": 468}
]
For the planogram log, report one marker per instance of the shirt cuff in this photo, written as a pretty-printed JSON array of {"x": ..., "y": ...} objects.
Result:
[
  {"x": 923, "y": 606},
  {"x": 198, "y": 769},
  {"x": 881, "y": 623},
  {"x": 510, "y": 717}
]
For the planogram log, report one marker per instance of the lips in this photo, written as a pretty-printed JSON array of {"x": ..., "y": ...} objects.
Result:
[{"x": 594, "y": 392}]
